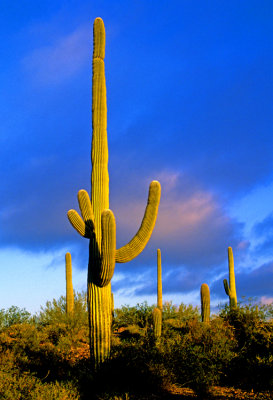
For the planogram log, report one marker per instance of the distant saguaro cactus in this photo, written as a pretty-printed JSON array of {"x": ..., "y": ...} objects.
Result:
[
  {"x": 98, "y": 222},
  {"x": 205, "y": 303},
  {"x": 231, "y": 288},
  {"x": 159, "y": 281},
  {"x": 157, "y": 322},
  {"x": 112, "y": 304},
  {"x": 69, "y": 285}
]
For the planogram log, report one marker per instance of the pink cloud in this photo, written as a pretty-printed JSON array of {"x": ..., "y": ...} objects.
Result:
[
  {"x": 266, "y": 300},
  {"x": 61, "y": 60}
]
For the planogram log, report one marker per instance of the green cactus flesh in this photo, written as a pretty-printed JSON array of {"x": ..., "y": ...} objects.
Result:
[
  {"x": 230, "y": 288},
  {"x": 69, "y": 286},
  {"x": 98, "y": 222},
  {"x": 159, "y": 281},
  {"x": 157, "y": 322},
  {"x": 205, "y": 303}
]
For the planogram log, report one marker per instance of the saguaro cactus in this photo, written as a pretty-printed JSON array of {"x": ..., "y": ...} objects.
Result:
[
  {"x": 205, "y": 303},
  {"x": 231, "y": 288},
  {"x": 98, "y": 222},
  {"x": 159, "y": 281},
  {"x": 157, "y": 321},
  {"x": 69, "y": 285}
]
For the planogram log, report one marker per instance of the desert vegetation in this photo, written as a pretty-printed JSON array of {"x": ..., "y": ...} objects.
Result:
[
  {"x": 47, "y": 356},
  {"x": 81, "y": 347}
]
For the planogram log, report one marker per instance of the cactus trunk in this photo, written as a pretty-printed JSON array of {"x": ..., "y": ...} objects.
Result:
[
  {"x": 69, "y": 285},
  {"x": 99, "y": 298},
  {"x": 205, "y": 303},
  {"x": 159, "y": 281},
  {"x": 157, "y": 323},
  {"x": 231, "y": 287}
]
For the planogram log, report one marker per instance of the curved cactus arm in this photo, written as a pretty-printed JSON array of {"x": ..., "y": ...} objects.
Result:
[
  {"x": 108, "y": 248},
  {"x": 86, "y": 209},
  {"x": 226, "y": 286},
  {"x": 85, "y": 227},
  {"x": 139, "y": 241},
  {"x": 78, "y": 224}
]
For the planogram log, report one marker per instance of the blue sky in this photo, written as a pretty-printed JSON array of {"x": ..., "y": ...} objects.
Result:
[{"x": 189, "y": 96}]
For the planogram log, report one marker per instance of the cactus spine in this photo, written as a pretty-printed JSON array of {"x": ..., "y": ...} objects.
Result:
[
  {"x": 98, "y": 222},
  {"x": 69, "y": 285},
  {"x": 231, "y": 288},
  {"x": 205, "y": 303},
  {"x": 159, "y": 281}
]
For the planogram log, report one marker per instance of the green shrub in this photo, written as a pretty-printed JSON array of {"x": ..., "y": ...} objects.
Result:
[
  {"x": 15, "y": 385},
  {"x": 199, "y": 355},
  {"x": 140, "y": 315},
  {"x": 14, "y": 315},
  {"x": 253, "y": 331}
]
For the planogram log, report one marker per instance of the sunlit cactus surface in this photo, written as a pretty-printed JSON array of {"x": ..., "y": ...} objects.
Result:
[
  {"x": 159, "y": 281},
  {"x": 69, "y": 285},
  {"x": 157, "y": 322},
  {"x": 231, "y": 287},
  {"x": 205, "y": 303},
  {"x": 98, "y": 222}
]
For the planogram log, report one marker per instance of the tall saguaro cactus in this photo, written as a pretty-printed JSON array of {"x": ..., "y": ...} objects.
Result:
[
  {"x": 98, "y": 222},
  {"x": 205, "y": 303},
  {"x": 159, "y": 281},
  {"x": 69, "y": 285},
  {"x": 231, "y": 288}
]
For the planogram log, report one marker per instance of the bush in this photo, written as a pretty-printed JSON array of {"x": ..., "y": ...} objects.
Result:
[
  {"x": 198, "y": 356},
  {"x": 254, "y": 345},
  {"x": 15, "y": 385},
  {"x": 14, "y": 315},
  {"x": 140, "y": 315}
]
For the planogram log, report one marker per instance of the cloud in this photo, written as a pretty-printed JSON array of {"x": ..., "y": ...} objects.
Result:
[
  {"x": 192, "y": 227},
  {"x": 263, "y": 232},
  {"x": 266, "y": 300},
  {"x": 264, "y": 227},
  {"x": 62, "y": 59},
  {"x": 193, "y": 232}
]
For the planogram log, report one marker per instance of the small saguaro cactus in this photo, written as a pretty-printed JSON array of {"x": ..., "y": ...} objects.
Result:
[
  {"x": 231, "y": 288},
  {"x": 69, "y": 285},
  {"x": 112, "y": 304},
  {"x": 205, "y": 303},
  {"x": 159, "y": 281},
  {"x": 157, "y": 322},
  {"x": 98, "y": 222}
]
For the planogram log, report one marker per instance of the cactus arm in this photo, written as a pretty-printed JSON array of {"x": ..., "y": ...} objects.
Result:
[
  {"x": 139, "y": 241},
  {"x": 84, "y": 226},
  {"x": 78, "y": 224},
  {"x": 226, "y": 286},
  {"x": 86, "y": 209},
  {"x": 108, "y": 248}
]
